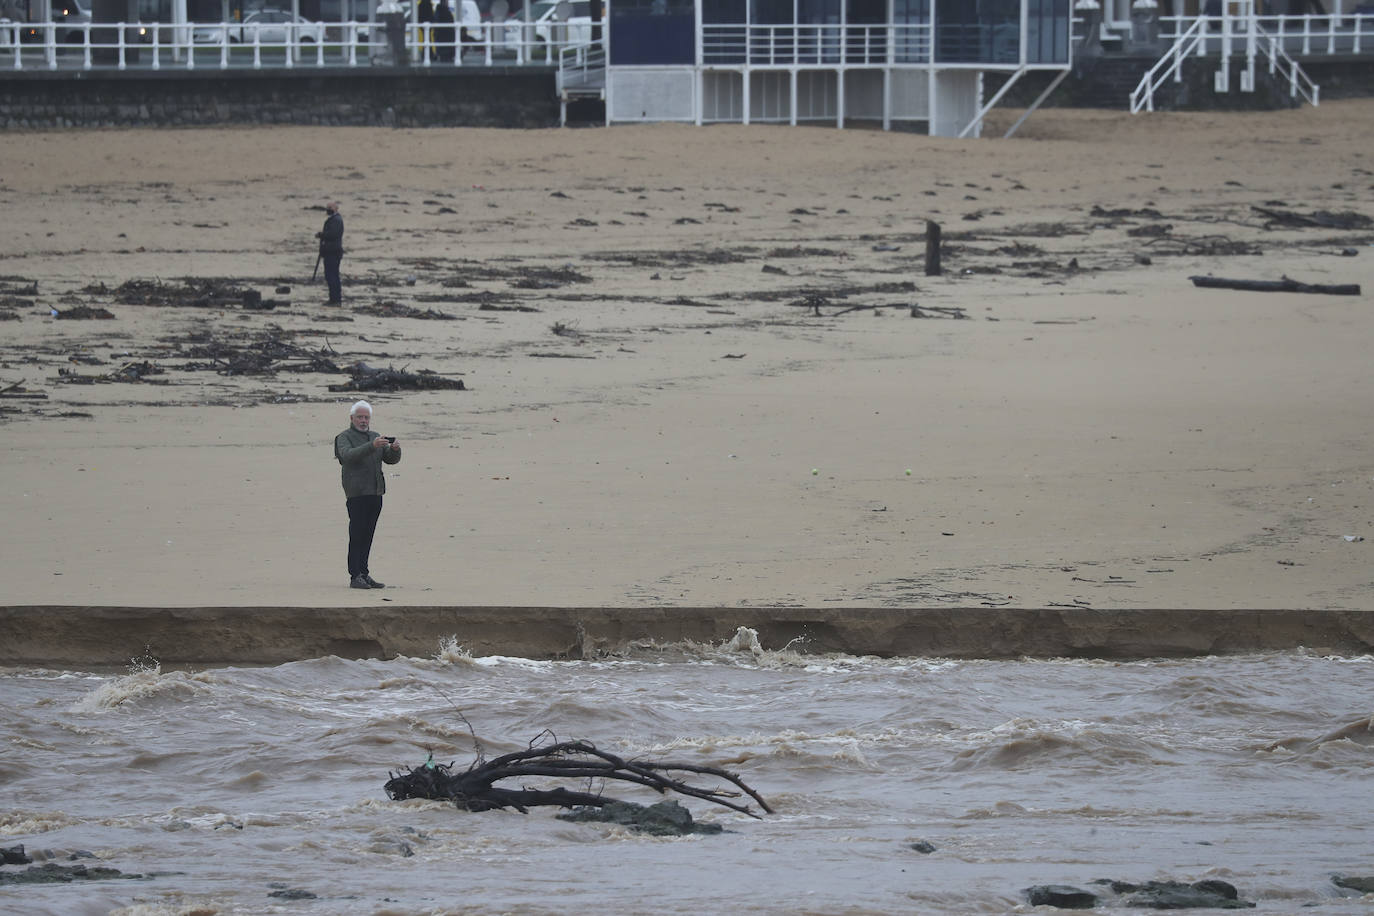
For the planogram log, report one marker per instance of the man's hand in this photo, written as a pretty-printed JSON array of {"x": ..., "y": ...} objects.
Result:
[{"x": 380, "y": 442}]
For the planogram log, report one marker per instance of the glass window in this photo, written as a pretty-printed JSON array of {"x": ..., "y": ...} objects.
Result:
[{"x": 723, "y": 10}]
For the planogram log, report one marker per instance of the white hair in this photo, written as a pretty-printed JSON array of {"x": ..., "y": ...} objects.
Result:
[{"x": 360, "y": 406}]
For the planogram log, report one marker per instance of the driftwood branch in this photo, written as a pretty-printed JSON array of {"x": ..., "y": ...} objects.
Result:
[
  {"x": 1285, "y": 285},
  {"x": 1324, "y": 219},
  {"x": 474, "y": 789}
]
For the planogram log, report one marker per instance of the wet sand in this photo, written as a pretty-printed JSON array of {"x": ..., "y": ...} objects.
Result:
[{"x": 693, "y": 372}]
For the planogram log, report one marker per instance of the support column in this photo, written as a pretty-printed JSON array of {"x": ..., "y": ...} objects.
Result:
[
  {"x": 792, "y": 82},
  {"x": 106, "y": 13},
  {"x": 887, "y": 98},
  {"x": 839, "y": 98}
]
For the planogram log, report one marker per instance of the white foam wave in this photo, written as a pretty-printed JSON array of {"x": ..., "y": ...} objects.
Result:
[
  {"x": 20, "y": 823},
  {"x": 141, "y": 684}
]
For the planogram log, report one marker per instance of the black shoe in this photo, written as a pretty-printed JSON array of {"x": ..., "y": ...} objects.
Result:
[
  {"x": 359, "y": 582},
  {"x": 371, "y": 582}
]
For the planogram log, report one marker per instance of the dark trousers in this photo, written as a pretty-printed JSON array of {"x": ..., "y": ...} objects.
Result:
[
  {"x": 363, "y": 512},
  {"x": 331, "y": 276}
]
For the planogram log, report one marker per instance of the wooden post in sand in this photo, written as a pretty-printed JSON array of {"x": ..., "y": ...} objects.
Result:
[{"x": 932, "y": 248}]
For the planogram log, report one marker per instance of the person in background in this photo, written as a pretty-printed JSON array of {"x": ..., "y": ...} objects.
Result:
[
  {"x": 424, "y": 12},
  {"x": 361, "y": 454},
  {"x": 444, "y": 33},
  {"x": 331, "y": 250}
]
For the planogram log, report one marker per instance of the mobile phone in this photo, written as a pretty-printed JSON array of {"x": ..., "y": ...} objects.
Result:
[{"x": 389, "y": 438}]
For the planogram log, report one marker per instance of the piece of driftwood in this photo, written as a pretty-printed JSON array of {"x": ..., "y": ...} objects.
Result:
[
  {"x": 475, "y": 789},
  {"x": 932, "y": 249},
  {"x": 1324, "y": 219},
  {"x": 937, "y": 311},
  {"x": 1286, "y": 285},
  {"x": 17, "y": 390}
]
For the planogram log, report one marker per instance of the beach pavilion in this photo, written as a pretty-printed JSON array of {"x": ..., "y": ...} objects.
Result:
[{"x": 918, "y": 64}]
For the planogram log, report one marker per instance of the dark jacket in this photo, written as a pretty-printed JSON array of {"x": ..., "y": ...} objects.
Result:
[
  {"x": 362, "y": 462},
  {"x": 331, "y": 236}
]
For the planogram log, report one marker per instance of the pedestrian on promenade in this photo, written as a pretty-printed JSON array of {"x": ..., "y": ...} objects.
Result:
[
  {"x": 331, "y": 250},
  {"x": 424, "y": 12},
  {"x": 361, "y": 453},
  {"x": 444, "y": 34}
]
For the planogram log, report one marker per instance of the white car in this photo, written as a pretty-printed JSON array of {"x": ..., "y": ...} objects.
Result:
[
  {"x": 564, "y": 21},
  {"x": 576, "y": 15},
  {"x": 270, "y": 27}
]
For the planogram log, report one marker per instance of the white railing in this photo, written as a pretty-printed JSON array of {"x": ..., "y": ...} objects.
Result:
[
  {"x": 1304, "y": 36},
  {"x": 793, "y": 45},
  {"x": 1170, "y": 65},
  {"x": 1221, "y": 33},
  {"x": 232, "y": 45},
  {"x": 581, "y": 67},
  {"x": 1281, "y": 64}
]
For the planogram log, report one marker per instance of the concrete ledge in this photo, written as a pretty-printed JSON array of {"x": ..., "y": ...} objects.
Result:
[
  {"x": 60, "y": 636},
  {"x": 509, "y": 97},
  {"x": 177, "y": 73}
]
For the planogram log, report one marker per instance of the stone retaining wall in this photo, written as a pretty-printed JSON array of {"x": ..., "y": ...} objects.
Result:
[
  {"x": 485, "y": 97},
  {"x": 65, "y": 637}
]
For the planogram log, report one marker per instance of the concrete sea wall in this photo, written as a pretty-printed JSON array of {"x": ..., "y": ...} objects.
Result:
[
  {"x": 112, "y": 636},
  {"x": 381, "y": 97}
]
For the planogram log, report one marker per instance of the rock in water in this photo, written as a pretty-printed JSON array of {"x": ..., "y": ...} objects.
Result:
[
  {"x": 52, "y": 873},
  {"x": 14, "y": 855},
  {"x": 666, "y": 818},
  {"x": 1363, "y": 885},
  {"x": 1063, "y": 896},
  {"x": 1175, "y": 895}
]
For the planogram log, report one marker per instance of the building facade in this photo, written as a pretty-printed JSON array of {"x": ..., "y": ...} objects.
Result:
[{"x": 909, "y": 63}]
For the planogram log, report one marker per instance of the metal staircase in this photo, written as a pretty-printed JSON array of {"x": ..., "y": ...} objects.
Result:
[
  {"x": 581, "y": 75},
  {"x": 1236, "y": 32}
]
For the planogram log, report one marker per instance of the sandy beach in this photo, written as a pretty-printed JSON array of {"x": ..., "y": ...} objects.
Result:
[
  {"x": 1049, "y": 570},
  {"x": 694, "y": 372}
]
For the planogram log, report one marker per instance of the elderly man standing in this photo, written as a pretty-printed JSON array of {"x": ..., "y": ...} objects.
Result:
[
  {"x": 331, "y": 250},
  {"x": 361, "y": 453}
]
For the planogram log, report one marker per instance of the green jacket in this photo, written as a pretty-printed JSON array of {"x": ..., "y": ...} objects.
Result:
[{"x": 362, "y": 462}]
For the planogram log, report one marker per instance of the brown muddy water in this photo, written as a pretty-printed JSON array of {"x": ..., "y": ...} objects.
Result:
[{"x": 225, "y": 786}]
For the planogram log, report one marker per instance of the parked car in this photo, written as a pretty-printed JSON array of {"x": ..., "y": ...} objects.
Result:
[
  {"x": 576, "y": 15},
  {"x": 545, "y": 14},
  {"x": 70, "y": 16},
  {"x": 270, "y": 27}
]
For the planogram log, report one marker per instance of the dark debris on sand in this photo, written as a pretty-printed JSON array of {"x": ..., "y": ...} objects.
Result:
[
  {"x": 192, "y": 292},
  {"x": 264, "y": 353},
  {"x": 367, "y": 378},
  {"x": 389, "y": 308},
  {"x": 83, "y": 313}
]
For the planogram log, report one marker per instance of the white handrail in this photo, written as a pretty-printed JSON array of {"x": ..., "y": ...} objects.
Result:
[
  {"x": 69, "y": 45},
  {"x": 1258, "y": 41},
  {"x": 1298, "y": 81},
  {"x": 1143, "y": 96},
  {"x": 585, "y": 61}
]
